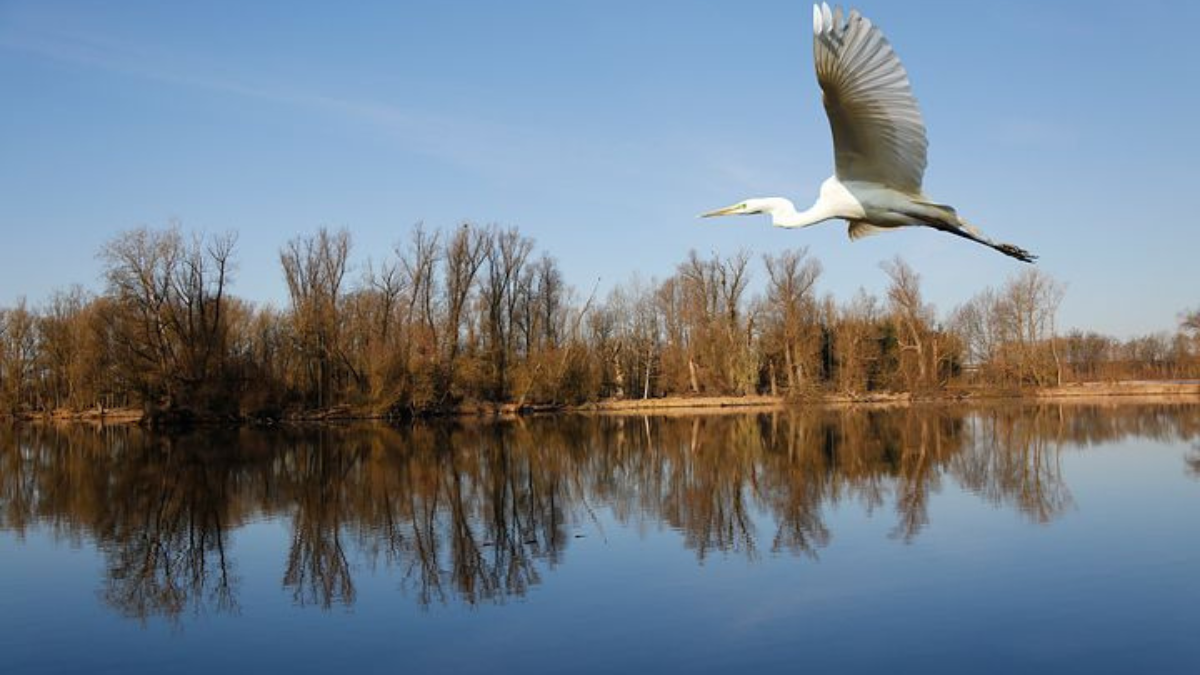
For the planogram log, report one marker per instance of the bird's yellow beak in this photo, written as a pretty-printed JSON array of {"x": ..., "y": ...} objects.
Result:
[{"x": 727, "y": 211}]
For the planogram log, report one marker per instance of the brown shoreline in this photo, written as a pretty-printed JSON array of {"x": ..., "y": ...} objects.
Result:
[
  {"x": 1098, "y": 392},
  {"x": 1115, "y": 392}
]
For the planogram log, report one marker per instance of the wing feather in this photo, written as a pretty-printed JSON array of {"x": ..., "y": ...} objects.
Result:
[{"x": 878, "y": 131}]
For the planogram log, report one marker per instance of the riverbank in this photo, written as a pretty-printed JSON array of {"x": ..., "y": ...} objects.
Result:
[
  {"x": 1189, "y": 388},
  {"x": 91, "y": 415},
  {"x": 1084, "y": 390},
  {"x": 1116, "y": 391}
]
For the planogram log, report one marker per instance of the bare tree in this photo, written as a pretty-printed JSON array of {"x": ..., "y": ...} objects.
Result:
[
  {"x": 912, "y": 319},
  {"x": 708, "y": 296},
  {"x": 168, "y": 324},
  {"x": 1032, "y": 298},
  {"x": 857, "y": 343},
  {"x": 464, "y": 254},
  {"x": 1190, "y": 323},
  {"x": 504, "y": 262},
  {"x": 18, "y": 356},
  {"x": 62, "y": 340},
  {"x": 791, "y": 309},
  {"x": 194, "y": 313},
  {"x": 140, "y": 266},
  {"x": 315, "y": 267}
]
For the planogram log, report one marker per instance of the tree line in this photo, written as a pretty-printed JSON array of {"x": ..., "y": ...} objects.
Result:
[{"x": 476, "y": 314}]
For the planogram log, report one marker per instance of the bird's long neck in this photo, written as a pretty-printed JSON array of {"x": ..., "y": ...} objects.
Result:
[{"x": 786, "y": 215}]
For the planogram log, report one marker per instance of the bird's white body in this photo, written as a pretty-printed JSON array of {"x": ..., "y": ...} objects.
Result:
[{"x": 878, "y": 139}]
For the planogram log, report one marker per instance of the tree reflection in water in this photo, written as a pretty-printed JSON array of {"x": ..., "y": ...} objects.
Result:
[{"x": 477, "y": 512}]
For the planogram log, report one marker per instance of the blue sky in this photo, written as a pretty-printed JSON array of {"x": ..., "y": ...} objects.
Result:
[{"x": 600, "y": 128}]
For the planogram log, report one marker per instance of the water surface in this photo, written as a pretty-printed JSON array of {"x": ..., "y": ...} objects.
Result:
[{"x": 927, "y": 539}]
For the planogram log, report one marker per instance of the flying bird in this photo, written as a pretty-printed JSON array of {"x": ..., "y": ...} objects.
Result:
[{"x": 879, "y": 142}]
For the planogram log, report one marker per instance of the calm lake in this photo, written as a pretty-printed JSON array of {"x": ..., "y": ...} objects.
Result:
[{"x": 928, "y": 539}]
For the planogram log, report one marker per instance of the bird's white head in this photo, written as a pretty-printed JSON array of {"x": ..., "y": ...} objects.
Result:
[{"x": 777, "y": 207}]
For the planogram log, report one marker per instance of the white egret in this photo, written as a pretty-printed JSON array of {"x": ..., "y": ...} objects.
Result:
[{"x": 879, "y": 142}]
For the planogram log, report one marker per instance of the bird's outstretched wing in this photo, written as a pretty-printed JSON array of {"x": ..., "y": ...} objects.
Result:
[{"x": 878, "y": 133}]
